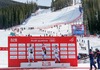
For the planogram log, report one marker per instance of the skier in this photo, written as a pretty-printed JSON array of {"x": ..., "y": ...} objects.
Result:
[
  {"x": 56, "y": 52},
  {"x": 30, "y": 53},
  {"x": 43, "y": 52}
]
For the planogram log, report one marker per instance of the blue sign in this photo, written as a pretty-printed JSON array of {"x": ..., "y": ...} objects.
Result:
[{"x": 78, "y": 29}]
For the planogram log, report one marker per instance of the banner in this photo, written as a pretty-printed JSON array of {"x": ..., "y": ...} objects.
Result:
[
  {"x": 3, "y": 48},
  {"x": 18, "y": 53},
  {"x": 78, "y": 29}
]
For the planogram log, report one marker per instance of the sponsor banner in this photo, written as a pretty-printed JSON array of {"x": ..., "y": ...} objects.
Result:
[
  {"x": 13, "y": 44},
  {"x": 21, "y": 57},
  {"x": 63, "y": 44},
  {"x": 3, "y": 48},
  {"x": 63, "y": 52},
  {"x": 63, "y": 57},
  {"x": 13, "y": 57},
  {"x": 71, "y": 48},
  {"x": 78, "y": 29},
  {"x": 13, "y": 53},
  {"x": 72, "y": 56},
  {"x": 63, "y": 49},
  {"x": 18, "y": 49},
  {"x": 71, "y": 44}
]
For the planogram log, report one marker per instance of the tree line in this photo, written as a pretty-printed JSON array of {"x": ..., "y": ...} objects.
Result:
[
  {"x": 12, "y": 14},
  {"x": 91, "y": 15},
  {"x": 59, "y": 4}
]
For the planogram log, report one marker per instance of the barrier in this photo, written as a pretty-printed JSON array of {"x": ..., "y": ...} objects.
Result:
[
  {"x": 3, "y": 48},
  {"x": 17, "y": 49}
]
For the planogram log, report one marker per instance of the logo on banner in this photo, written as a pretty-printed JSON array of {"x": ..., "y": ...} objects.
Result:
[
  {"x": 62, "y": 65},
  {"x": 13, "y": 40},
  {"x": 71, "y": 40},
  {"x": 46, "y": 63}
]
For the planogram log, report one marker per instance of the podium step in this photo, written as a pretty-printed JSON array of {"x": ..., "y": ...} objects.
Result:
[{"x": 44, "y": 64}]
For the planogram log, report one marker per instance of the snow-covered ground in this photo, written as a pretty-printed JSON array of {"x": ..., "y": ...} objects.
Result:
[
  {"x": 50, "y": 18},
  {"x": 45, "y": 22}
]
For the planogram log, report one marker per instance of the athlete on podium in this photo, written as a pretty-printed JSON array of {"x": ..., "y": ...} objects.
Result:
[
  {"x": 56, "y": 52},
  {"x": 30, "y": 53},
  {"x": 43, "y": 52}
]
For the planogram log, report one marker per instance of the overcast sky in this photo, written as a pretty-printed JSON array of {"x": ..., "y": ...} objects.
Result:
[{"x": 40, "y": 2}]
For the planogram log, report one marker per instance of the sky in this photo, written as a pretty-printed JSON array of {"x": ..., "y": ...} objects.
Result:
[{"x": 40, "y": 2}]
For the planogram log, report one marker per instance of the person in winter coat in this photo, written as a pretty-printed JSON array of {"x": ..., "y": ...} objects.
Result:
[{"x": 91, "y": 56}]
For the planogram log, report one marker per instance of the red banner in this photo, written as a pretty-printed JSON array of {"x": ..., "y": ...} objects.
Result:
[
  {"x": 17, "y": 49},
  {"x": 3, "y": 48}
]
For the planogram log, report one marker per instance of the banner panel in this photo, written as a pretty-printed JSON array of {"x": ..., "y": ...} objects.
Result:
[{"x": 18, "y": 49}]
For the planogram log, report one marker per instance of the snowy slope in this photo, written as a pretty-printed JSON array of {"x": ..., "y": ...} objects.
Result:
[
  {"x": 46, "y": 22},
  {"x": 44, "y": 18},
  {"x": 50, "y": 18}
]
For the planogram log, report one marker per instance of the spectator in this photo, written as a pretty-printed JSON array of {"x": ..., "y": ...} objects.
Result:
[
  {"x": 92, "y": 63},
  {"x": 98, "y": 58},
  {"x": 80, "y": 9},
  {"x": 12, "y": 34}
]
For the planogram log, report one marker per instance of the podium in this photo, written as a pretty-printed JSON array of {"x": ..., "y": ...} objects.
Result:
[{"x": 44, "y": 64}]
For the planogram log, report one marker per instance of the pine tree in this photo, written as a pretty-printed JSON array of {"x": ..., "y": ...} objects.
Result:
[
  {"x": 15, "y": 13},
  {"x": 91, "y": 15},
  {"x": 59, "y": 4}
]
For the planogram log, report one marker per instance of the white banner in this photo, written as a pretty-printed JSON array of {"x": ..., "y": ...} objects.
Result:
[
  {"x": 13, "y": 44},
  {"x": 63, "y": 52},
  {"x": 21, "y": 57},
  {"x": 71, "y": 56},
  {"x": 38, "y": 57},
  {"x": 63, "y": 49},
  {"x": 21, "y": 49},
  {"x": 21, "y": 45},
  {"x": 13, "y": 53},
  {"x": 71, "y": 45},
  {"x": 21, "y": 53},
  {"x": 53, "y": 44},
  {"x": 13, "y": 57},
  {"x": 28, "y": 44},
  {"x": 38, "y": 44},
  {"x": 71, "y": 48},
  {"x": 63, "y": 57},
  {"x": 63, "y": 44},
  {"x": 13, "y": 49},
  {"x": 71, "y": 52}
]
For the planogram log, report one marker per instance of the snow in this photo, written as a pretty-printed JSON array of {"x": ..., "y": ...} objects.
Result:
[
  {"x": 93, "y": 41},
  {"x": 3, "y": 59},
  {"x": 45, "y": 22},
  {"x": 42, "y": 19},
  {"x": 50, "y": 18}
]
